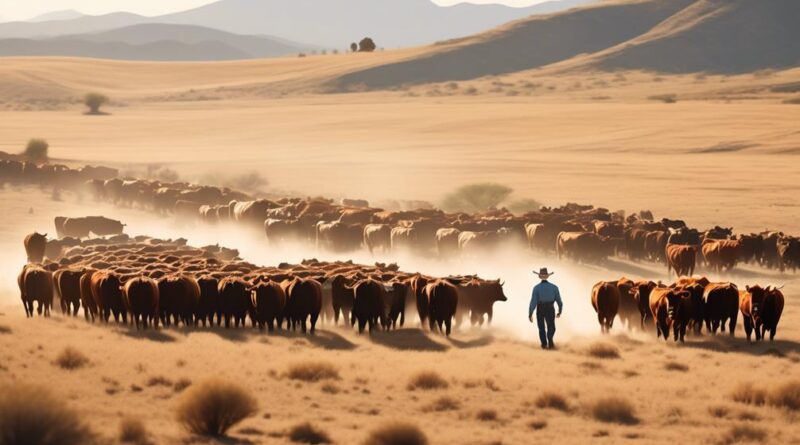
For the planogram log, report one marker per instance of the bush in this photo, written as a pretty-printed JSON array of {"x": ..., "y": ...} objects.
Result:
[
  {"x": 36, "y": 150},
  {"x": 748, "y": 393},
  {"x": 537, "y": 424},
  {"x": 397, "y": 434},
  {"x": 71, "y": 359},
  {"x": 614, "y": 410},
  {"x": 313, "y": 371},
  {"x": 307, "y": 433},
  {"x": 427, "y": 380},
  {"x": 444, "y": 403},
  {"x": 159, "y": 380},
  {"x": 214, "y": 406},
  {"x": 486, "y": 415},
  {"x": 675, "y": 366},
  {"x": 476, "y": 197},
  {"x": 132, "y": 431},
  {"x": 32, "y": 416},
  {"x": 94, "y": 101},
  {"x": 743, "y": 433},
  {"x": 552, "y": 400},
  {"x": 366, "y": 45},
  {"x": 181, "y": 384},
  {"x": 603, "y": 350},
  {"x": 786, "y": 396}
]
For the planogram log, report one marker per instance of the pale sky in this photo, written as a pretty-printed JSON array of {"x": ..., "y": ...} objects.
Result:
[{"x": 25, "y": 9}]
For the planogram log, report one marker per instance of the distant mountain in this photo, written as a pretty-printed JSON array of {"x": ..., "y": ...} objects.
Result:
[
  {"x": 160, "y": 42},
  {"x": 678, "y": 36},
  {"x": 325, "y": 23},
  {"x": 66, "y": 14}
]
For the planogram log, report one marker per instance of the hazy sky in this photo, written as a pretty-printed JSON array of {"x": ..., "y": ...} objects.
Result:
[{"x": 25, "y": 9}]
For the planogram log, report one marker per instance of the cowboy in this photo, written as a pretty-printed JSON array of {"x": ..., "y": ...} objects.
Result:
[{"x": 544, "y": 295}]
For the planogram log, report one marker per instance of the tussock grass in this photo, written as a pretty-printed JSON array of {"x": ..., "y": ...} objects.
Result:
[
  {"x": 71, "y": 359},
  {"x": 743, "y": 433},
  {"x": 330, "y": 388},
  {"x": 397, "y": 433},
  {"x": 444, "y": 403},
  {"x": 603, "y": 350},
  {"x": 308, "y": 433},
  {"x": 553, "y": 400},
  {"x": 159, "y": 380},
  {"x": 132, "y": 430},
  {"x": 537, "y": 425},
  {"x": 614, "y": 410},
  {"x": 786, "y": 396},
  {"x": 214, "y": 406},
  {"x": 427, "y": 380},
  {"x": 313, "y": 371},
  {"x": 31, "y": 415},
  {"x": 719, "y": 411},
  {"x": 676, "y": 366},
  {"x": 181, "y": 384},
  {"x": 749, "y": 394},
  {"x": 486, "y": 415}
]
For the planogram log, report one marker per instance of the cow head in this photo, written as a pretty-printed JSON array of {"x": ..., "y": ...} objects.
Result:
[
  {"x": 495, "y": 289},
  {"x": 757, "y": 295}
]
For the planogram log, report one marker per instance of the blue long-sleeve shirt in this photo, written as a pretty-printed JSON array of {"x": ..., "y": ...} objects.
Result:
[{"x": 545, "y": 292}]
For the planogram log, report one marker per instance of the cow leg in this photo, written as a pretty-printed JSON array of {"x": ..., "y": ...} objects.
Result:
[
  {"x": 302, "y": 323},
  {"x": 748, "y": 328},
  {"x": 39, "y": 307},
  {"x": 602, "y": 322},
  {"x": 335, "y": 315},
  {"x": 772, "y": 333},
  {"x": 489, "y": 315},
  {"x": 314, "y": 318},
  {"x": 759, "y": 331},
  {"x": 402, "y": 317},
  {"x": 447, "y": 324},
  {"x": 270, "y": 324},
  {"x": 361, "y": 325}
]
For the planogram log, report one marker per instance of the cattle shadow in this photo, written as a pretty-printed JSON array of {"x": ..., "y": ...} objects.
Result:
[
  {"x": 321, "y": 338},
  {"x": 628, "y": 269},
  {"x": 409, "y": 339},
  {"x": 739, "y": 344},
  {"x": 151, "y": 334},
  {"x": 484, "y": 340},
  {"x": 225, "y": 440}
]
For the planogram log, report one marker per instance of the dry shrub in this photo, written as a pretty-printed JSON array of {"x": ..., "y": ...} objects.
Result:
[
  {"x": 748, "y": 393},
  {"x": 71, "y": 359},
  {"x": 159, "y": 380},
  {"x": 132, "y": 430},
  {"x": 427, "y": 380},
  {"x": 603, "y": 350},
  {"x": 181, "y": 384},
  {"x": 537, "y": 424},
  {"x": 675, "y": 366},
  {"x": 308, "y": 433},
  {"x": 743, "y": 433},
  {"x": 486, "y": 415},
  {"x": 4, "y": 329},
  {"x": 786, "y": 396},
  {"x": 212, "y": 407},
  {"x": 719, "y": 411},
  {"x": 313, "y": 371},
  {"x": 397, "y": 434},
  {"x": 614, "y": 410},
  {"x": 31, "y": 415},
  {"x": 330, "y": 388},
  {"x": 444, "y": 403},
  {"x": 549, "y": 399}
]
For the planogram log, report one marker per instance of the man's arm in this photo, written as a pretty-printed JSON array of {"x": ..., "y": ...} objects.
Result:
[
  {"x": 558, "y": 301},
  {"x": 534, "y": 302}
]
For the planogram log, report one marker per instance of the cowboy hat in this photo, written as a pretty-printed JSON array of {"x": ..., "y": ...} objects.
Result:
[{"x": 543, "y": 274}]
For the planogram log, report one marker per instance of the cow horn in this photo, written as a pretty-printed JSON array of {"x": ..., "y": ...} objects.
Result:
[
  {"x": 781, "y": 286},
  {"x": 502, "y": 283}
]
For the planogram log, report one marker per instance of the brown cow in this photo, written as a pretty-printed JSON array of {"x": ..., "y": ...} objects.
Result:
[
  {"x": 141, "y": 299},
  {"x": 641, "y": 293},
  {"x": 303, "y": 301},
  {"x": 36, "y": 284},
  {"x": 447, "y": 241},
  {"x": 268, "y": 303},
  {"x": 443, "y": 303},
  {"x": 583, "y": 246},
  {"x": 107, "y": 293},
  {"x": 722, "y": 304},
  {"x": 179, "y": 296},
  {"x": 368, "y": 305},
  {"x": 35, "y": 245},
  {"x": 234, "y": 295},
  {"x": 87, "y": 299},
  {"x": 342, "y": 298},
  {"x": 395, "y": 303},
  {"x": 209, "y": 305},
  {"x": 418, "y": 284},
  {"x": 721, "y": 254},
  {"x": 628, "y": 306},
  {"x": 761, "y": 310},
  {"x": 477, "y": 298},
  {"x": 665, "y": 307},
  {"x": 67, "y": 284},
  {"x": 605, "y": 301},
  {"x": 681, "y": 259},
  {"x": 378, "y": 236}
]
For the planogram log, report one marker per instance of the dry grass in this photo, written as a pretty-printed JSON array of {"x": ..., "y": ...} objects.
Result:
[
  {"x": 330, "y": 388},
  {"x": 553, "y": 400},
  {"x": 614, "y": 410},
  {"x": 786, "y": 396},
  {"x": 748, "y": 393},
  {"x": 132, "y": 430},
  {"x": 427, "y": 380},
  {"x": 719, "y": 411},
  {"x": 486, "y": 415},
  {"x": 444, "y": 403},
  {"x": 181, "y": 384},
  {"x": 743, "y": 433},
  {"x": 537, "y": 425},
  {"x": 603, "y": 350},
  {"x": 212, "y": 407},
  {"x": 31, "y": 415},
  {"x": 71, "y": 359},
  {"x": 397, "y": 434},
  {"x": 308, "y": 433},
  {"x": 159, "y": 380},
  {"x": 676, "y": 366},
  {"x": 313, "y": 371}
]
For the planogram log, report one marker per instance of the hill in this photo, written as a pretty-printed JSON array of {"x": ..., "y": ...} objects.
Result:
[
  {"x": 80, "y": 25},
  {"x": 66, "y": 14}
]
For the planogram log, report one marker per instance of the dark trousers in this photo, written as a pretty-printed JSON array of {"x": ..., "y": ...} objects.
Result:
[{"x": 546, "y": 320}]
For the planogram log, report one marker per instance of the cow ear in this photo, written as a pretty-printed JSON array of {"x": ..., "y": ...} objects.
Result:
[{"x": 747, "y": 287}]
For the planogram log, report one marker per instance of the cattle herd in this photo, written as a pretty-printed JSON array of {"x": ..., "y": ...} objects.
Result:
[
  {"x": 152, "y": 282},
  {"x": 688, "y": 305}
]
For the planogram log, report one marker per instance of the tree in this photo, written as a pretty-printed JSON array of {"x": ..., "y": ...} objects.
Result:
[
  {"x": 354, "y": 47},
  {"x": 366, "y": 45},
  {"x": 476, "y": 197},
  {"x": 94, "y": 101},
  {"x": 36, "y": 150}
]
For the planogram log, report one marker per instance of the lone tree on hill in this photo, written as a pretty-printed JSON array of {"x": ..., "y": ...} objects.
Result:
[
  {"x": 94, "y": 101},
  {"x": 354, "y": 47},
  {"x": 36, "y": 150},
  {"x": 366, "y": 45}
]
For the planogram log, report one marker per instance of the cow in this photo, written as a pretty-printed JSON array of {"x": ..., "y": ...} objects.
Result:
[
  {"x": 443, "y": 303},
  {"x": 208, "y": 307},
  {"x": 641, "y": 294},
  {"x": 106, "y": 289},
  {"x": 378, "y": 236},
  {"x": 721, "y": 254},
  {"x": 447, "y": 242},
  {"x": 395, "y": 303},
  {"x": 477, "y": 298},
  {"x": 628, "y": 306},
  {"x": 141, "y": 299},
  {"x": 404, "y": 238},
  {"x": 722, "y": 304},
  {"x": 583, "y": 246},
  {"x": 87, "y": 299},
  {"x": 268, "y": 303},
  {"x": 303, "y": 302},
  {"x": 418, "y": 284},
  {"x": 666, "y": 310},
  {"x": 681, "y": 258},
  {"x": 36, "y": 285},
  {"x": 476, "y": 242},
  {"x": 67, "y": 284},
  {"x": 368, "y": 305},
  {"x": 83, "y": 227},
  {"x": 234, "y": 296},
  {"x": 179, "y": 296},
  {"x": 788, "y": 253},
  {"x": 655, "y": 244},
  {"x": 761, "y": 310},
  {"x": 35, "y": 245},
  {"x": 751, "y": 248},
  {"x": 342, "y": 297},
  {"x": 694, "y": 308},
  {"x": 605, "y": 301},
  {"x": 338, "y": 236},
  {"x": 635, "y": 239}
]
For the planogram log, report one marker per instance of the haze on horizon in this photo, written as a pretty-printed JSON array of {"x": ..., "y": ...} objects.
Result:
[{"x": 11, "y": 10}]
